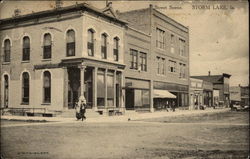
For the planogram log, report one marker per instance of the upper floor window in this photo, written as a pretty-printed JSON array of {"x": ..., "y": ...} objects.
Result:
[
  {"x": 172, "y": 66},
  {"x": 104, "y": 46},
  {"x": 47, "y": 46},
  {"x": 182, "y": 70},
  {"x": 26, "y": 48},
  {"x": 7, "y": 50},
  {"x": 172, "y": 43},
  {"x": 46, "y": 87},
  {"x": 160, "y": 65},
  {"x": 134, "y": 59},
  {"x": 160, "y": 39},
  {"x": 116, "y": 49},
  {"x": 91, "y": 42},
  {"x": 25, "y": 88},
  {"x": 70, "y": 40},
  {"x": 143, "y": 61},
  {"x": 182, "y": 47}
]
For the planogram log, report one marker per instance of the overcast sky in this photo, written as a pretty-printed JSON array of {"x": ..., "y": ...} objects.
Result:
[{"x": 218, "y": 38}]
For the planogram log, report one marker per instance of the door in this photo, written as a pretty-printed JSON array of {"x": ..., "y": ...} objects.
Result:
[
  {"x": 73, "y": 87},
  {"x": 129, "y": 99}
]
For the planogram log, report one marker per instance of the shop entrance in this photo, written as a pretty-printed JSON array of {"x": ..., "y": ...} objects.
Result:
[
  {"x": 73, "y": 86},
  {"x": 129, "y": 99}
]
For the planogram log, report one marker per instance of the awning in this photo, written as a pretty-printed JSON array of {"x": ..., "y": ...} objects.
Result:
[{"x": 163, "y": 94}]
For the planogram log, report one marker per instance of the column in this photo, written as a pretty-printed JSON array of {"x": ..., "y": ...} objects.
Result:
[
  {"x": 82, "y": 85},
  {"x": 114, "y": 88},
  {"x": 151, "y": 90},
  {"x": 122, "y": 95},
  {"x": 65, "y": 88},
  {"x": 95, "y": 88},
  {"x": 106, "y": 92}
]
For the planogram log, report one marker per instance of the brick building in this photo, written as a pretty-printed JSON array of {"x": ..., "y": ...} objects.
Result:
[
  {"x": 138, "y": 58},
  {"x": 157, "y": 60},
  {"x": 52, "y": 57}
]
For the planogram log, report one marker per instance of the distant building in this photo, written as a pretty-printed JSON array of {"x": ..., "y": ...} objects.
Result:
[
  {"x": 235, "y": 94},
  {"x": 196, "y": 93},
  {"x": 221, "y": 83},
  {"x": 244, "y": 95}
]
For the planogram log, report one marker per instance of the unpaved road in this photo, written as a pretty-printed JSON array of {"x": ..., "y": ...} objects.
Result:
[{"x": 220, "y": 135}]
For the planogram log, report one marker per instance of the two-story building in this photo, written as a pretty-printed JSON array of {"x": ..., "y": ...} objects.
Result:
[
  {"x": 50, "y": 58},
  {"x": 220, "y": 83},
  {"x": 196, "y": 93},
  {"x": 157, "y": 59}
]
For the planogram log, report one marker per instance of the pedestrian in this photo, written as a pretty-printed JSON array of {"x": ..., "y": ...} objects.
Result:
[
  {"x": 81, "y": 108},
  {"x": 173, "y": 106}
]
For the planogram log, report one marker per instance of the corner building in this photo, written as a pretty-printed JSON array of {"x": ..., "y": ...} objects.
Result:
[
  {"x": 157, "y": 61},
  {"x": 52, "y": 57}
]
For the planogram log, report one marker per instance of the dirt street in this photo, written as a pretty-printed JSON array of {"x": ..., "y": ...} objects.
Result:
[{"x": 220, "y": 135}]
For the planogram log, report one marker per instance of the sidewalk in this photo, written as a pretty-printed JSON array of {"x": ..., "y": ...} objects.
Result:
[{"x": 122, "y": 118}]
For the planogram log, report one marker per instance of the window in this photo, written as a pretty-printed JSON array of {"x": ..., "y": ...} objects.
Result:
[
  {"x": 47, "y": 46},
  {"x": 172, "y": 66},
  {"x": 90, "y": 42},
  {"x": 100, "y": 88},
  {"x": 160, "y": 39},
  {"x": 172, "y": 43},
  {"x": 46, "y": 87},
  {"x": 182, "y": 70},
  {"x": 104, "y": 46},
  {"x": 161, "y": 65},
  {"x": 6, "y": 91},
  {"x": 26, "y": 48},
  {"x": 25, "y": 88},
  {"x": 182, "y": 47},
  {"x": 70, "y": 40},
  {"x": 110, "y": 88},
  {"x": 145, "y": 98},
  {"x": 143, "y": 61},
  {"x": 7, "y": 50},
  {"x": 116, "y": 49},
  {"x": 134, "y": 59}
]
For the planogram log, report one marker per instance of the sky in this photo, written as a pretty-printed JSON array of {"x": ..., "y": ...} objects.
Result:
[{"x": 218, "y": 38}]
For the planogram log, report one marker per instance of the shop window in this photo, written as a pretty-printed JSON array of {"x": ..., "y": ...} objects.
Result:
[
  {"x": 70, "y": 43},
  {"x": 7, "y": 49},
  {"x": 100, "y": 88},
  {"x": 26, "y": 48},
  {"x": 110, "y": 89}
]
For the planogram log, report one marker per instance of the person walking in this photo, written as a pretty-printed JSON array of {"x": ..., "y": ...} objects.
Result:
[{"x": 81, "y": 108}]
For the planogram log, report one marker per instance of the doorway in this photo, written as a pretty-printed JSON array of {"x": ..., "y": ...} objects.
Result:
[
  {"x": 129, "y": 99},
  {"x": 73, "y": 86},
  {"x": 6, "y": 91}
]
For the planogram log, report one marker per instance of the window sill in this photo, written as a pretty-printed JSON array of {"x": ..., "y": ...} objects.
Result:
[
  {"x": 46, "y": 104},
  {"x": 44, "y": 60},
  {"x": 5, "y": 63},
  {"x": 24, "y": 103},
  {"x": 28, "y": 61}
]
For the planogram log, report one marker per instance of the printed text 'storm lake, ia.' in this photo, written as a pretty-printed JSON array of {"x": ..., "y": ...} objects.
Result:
[{"x": 214, "y": 7}]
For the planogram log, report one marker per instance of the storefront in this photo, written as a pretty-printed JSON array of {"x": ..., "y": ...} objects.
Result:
[{"x": 137, "y": 95}]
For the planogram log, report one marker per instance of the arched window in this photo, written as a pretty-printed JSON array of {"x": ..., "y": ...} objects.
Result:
[
  {"x": 25, "y": 88},
  {"x": 6, "y": 91},
  {"x": 104, "y": 46},
  {"x": 46, "y": 87},
  {"x": 47, "y": 46},
  {"x": 70, "y": 39},
  {"x": 116, "y": 49},
  {"x": 7, "y": 50},
  {"x": 26, "y": 48},
  {"x": 91, "y": 42}
]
